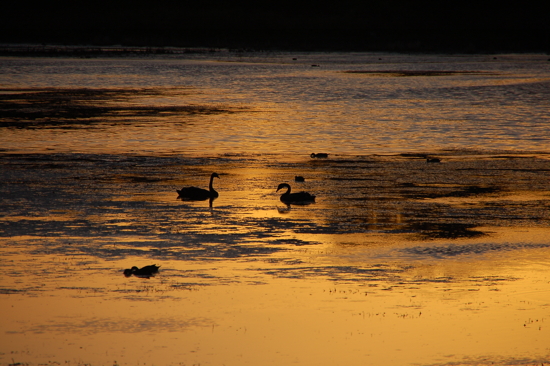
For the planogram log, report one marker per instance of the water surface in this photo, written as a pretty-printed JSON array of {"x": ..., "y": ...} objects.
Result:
[
  {"x": 262, "y": 103},
  {"x": 399, "y": 261}
]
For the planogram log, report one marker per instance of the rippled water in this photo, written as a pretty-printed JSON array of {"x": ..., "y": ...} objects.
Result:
[
  {"x": 281, "y": 103},
  {"x": 399, "y": 261}
]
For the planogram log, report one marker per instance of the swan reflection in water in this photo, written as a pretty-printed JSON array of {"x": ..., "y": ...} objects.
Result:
[
  {"x": 144, "y": 272},
  {"x": 300, "y": 198}
]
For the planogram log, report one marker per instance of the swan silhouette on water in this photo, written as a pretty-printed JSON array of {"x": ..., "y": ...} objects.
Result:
[
  {"x": 296, "y": 198},
  {"x": 144, "y": 272},
  {"x": 198, "y": 194}
]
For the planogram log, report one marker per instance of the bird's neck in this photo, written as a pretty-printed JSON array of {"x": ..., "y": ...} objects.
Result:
[{"x": 210, "y": 185}]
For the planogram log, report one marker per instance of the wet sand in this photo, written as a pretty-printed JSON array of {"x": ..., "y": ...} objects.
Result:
[{"x": 399, "y": 261}]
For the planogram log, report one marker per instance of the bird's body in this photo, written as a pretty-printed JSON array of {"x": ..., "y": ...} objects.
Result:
[
  {"x": 198, "y": 194},
  {"x": 296, "y": 198},
  {"x": 319, "y": 155},
  {"x": 146, "y": 271},
  {"x": 433, "y": 160}
]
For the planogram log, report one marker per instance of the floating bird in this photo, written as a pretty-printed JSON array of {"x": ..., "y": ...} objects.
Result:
[
  {"x": 319, "y": 155},
  {"x": 299, "y": 178},
  {"x": 144, "y": 272},
  {"x": 433, "y": 160},
  {"x": 297, "y": 198},
  {"x": 198, "y": 194}
]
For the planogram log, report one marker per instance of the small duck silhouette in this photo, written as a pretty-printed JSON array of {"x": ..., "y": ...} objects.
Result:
[
  {"x": 296, "y": 198},
  {"x": 319, "y": 155},
  {"x": 433, "y": 160},
  {"x": 144, "y": 272},
  {"x": 299, "y": 178}
]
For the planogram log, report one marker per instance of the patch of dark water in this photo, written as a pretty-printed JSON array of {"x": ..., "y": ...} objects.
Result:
[
  {"x": 454, "y": 250},
  {"x": 445, "y": 230},
  {"x": 405, "y": 73},
  {"x": 74, "y": 108}
]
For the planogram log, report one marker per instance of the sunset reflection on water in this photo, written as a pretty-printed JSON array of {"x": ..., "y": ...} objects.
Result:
[
  {"x": 398, "y": 261},
  {"x": 245, "y": 311},
  {"x": 251, "y": 280}
]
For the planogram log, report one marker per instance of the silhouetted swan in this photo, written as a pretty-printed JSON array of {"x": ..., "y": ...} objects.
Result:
[
  {"x": 198, "y": 194},
  {"x": 146, "y": 271},
  {"x": 300, "y": 197},
  {"x": 319, "y": 155}
]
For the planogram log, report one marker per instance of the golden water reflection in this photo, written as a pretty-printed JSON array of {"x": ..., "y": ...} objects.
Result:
[
  {"x": 397, "y": 262},
  {"x": 464, "y": 310}
]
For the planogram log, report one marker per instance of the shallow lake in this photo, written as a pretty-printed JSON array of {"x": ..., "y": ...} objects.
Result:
[{"x": 400, "y": 260}]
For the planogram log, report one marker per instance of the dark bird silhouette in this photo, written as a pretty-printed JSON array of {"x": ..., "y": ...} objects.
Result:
[
  {"x": 319, "y": 155},
  {"x": 296, "y": 198},
  {"x": 299, "y": 178},
  {"x": 198, "y": 194},
  {"x": 433, "y": 160},
  {"x": 144, "y": 272}
]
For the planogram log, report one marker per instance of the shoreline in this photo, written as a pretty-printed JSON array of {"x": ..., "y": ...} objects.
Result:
[{"x": 95, "y": 51}]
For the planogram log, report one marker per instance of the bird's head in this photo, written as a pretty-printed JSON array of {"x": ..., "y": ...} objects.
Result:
[{"x": 281, "y": 186}]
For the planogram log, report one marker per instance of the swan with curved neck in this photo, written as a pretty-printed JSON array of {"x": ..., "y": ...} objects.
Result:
[
  {"x": 297, "y": 198},
  {"x": 199, "y": 194}
]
